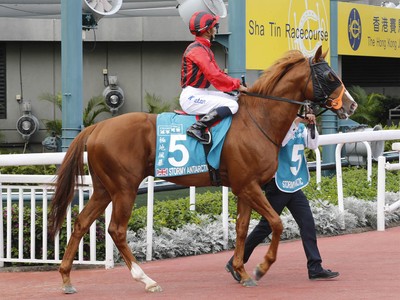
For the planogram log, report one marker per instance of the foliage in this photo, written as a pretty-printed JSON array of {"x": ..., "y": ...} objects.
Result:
[
  {"x": 174, "y": 214},
  {"x": 54, "y": 99},
  {"x": 354, "y": 185},
  {"x": 372, "y": 108},
  {"x": 388, "y": 144},
  {"x": 388, "y": 103},
  {"x": 191, "y": 239},
  {"x": 53, "y": 126},
  {"x": 156, "y": 105},
  {"x": 207, "y": 236},
  {"x": 95, "y": 107},
  {"x": 30, "y": 170},
  {"x": 369, "y": 106}
]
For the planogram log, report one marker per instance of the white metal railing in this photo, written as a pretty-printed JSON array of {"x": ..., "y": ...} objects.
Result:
[
  {"x": 382, "y": 207},
  {"x": 351, "y": 137},
  {"x": 16, "y": 188},
  {"x": 45, "y": 182}
]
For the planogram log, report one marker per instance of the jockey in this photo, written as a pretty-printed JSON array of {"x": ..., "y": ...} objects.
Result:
[{"x": 199, "y": 71}]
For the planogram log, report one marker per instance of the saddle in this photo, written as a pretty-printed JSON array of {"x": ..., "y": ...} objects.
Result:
[
  {"x": 215, "y": 176},
  {"x": 177, "y": 154}
]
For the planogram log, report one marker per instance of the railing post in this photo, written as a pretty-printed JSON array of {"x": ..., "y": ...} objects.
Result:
[
  {"x": 318, "y": 168},
  {"x": 369, "y": 161},
  {"x": 109, "y": 241},
  {"x": 1, "y": 228},
  {"x": 150, "y": 204},
  {"x": 192, "y": 197},
  {"x": 225, "y": 214},
  {"x": 380, "y": 219},
  {"x": 339, "y": 180}
]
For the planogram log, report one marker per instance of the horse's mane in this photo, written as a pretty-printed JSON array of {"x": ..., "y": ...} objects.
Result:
[{"x": 270, "y": 77}]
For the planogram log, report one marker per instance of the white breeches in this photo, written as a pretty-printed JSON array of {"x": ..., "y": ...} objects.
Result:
[{"x": 195, "y": 101}]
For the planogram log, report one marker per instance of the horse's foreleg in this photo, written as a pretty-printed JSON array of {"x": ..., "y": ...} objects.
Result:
[
  {"x": 242, "y": 226},
  {"x": 91, "y": 212},
  {"x": 276, "y": 226},
  {"x": 122, "y": 208}
]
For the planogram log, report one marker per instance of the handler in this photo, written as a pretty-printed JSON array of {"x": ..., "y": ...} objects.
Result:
[{"x": 285, "y": 191}]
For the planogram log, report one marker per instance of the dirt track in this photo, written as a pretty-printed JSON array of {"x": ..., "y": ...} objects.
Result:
[{"x": 369, "y": 264}]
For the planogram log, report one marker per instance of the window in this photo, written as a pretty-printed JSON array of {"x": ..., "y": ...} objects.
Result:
[{"x": 3, "y": 87}]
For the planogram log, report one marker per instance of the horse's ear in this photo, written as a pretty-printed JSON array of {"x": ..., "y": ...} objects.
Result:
[
  {"x": 325, "y": 54},
  {"x": 318, "y": 55}
]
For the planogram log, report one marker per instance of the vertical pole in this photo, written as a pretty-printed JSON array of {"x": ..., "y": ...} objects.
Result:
[
  {"x": 380, "y": 218},
  {"x": 329, "y": 119},
  {"x": 339, "y": 180},
  {"x": 150, "y": 212},
  {"x": 109, "y": 242},
  {"x": 1, "y": 229},
  {"x": 71, "y": 70},
  {"x": 237, "y": 38},
  {"x": 225, "y": 215},
  {"x": 192, "y": 198}
]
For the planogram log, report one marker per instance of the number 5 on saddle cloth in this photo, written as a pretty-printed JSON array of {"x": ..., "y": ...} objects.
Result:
[{"x": 177, "y": 154}]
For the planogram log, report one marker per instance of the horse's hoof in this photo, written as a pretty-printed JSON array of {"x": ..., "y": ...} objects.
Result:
[
  {"x": 69, "y": 289},
  {"x": 154, "y": 289},
  {"x": 258, "y": 273},
  {"x": 248, "y": 282}
]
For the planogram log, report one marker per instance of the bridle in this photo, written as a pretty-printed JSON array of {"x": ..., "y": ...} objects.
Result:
[
  {"x": 322, "y": 88},
  {"x": 324, "y": 81}
]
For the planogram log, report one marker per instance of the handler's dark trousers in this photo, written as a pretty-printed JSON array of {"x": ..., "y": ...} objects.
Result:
[{"x": 299, "y": 207}]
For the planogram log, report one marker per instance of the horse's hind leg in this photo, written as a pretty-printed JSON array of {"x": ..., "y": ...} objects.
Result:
[
  {"x": 122, "y": 209},
  {"x": 93, "y": 209}
]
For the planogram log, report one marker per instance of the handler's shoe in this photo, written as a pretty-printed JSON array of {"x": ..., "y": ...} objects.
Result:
[
  {"x": 324, "y": 274},
  {"x": 229, "y": 269}
]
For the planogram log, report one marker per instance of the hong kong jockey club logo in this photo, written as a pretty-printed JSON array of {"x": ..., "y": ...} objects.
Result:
[{"x": 354, "y": 29}]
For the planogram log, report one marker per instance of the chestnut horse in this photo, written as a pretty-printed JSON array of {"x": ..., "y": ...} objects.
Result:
[{"x": 121, "y": 153}]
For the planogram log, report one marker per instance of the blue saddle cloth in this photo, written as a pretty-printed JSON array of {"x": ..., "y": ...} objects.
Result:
[{"x": 178, "y": 154}]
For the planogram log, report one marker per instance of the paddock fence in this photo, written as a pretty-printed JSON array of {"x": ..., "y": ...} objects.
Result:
[{"x": 383, "y": 207}]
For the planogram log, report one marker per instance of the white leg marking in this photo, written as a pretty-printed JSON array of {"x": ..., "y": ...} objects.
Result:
[{"x": 139, "y": 275}]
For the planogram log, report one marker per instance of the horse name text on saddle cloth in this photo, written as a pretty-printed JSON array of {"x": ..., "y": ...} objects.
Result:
[{"x": 178, "y": 154}]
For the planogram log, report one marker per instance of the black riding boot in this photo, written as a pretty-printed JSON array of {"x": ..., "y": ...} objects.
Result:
[{"x": 197, "y": 130}]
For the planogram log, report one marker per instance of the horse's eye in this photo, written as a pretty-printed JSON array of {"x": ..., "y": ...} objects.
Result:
[{"x": 329, "y": 76}]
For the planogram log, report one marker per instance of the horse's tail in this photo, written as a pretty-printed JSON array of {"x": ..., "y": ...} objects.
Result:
[{"x": 68, "y": 173}]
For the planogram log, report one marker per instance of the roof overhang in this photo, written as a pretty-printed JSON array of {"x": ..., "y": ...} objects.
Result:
[{"x": 51, "y": 9}]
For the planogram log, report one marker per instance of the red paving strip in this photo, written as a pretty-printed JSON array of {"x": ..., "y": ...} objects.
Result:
[{"x": 369, "y": 266}]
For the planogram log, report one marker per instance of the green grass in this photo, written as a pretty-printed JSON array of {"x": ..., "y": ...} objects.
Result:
[{"x": 141, "y": 200}]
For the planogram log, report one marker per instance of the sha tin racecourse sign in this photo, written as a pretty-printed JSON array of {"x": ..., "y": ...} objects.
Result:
[{"x": 274, "y": 27}]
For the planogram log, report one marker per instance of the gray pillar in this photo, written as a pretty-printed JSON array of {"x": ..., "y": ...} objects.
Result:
[
  {"x": 71, "y": 70},
  {"x": 329, "y": 119},
  {"x": 237, "y": 38}
]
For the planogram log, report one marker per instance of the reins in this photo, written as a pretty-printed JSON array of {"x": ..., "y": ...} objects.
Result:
[
  {"x": 261, "y": 129},
  {"x": 283, "y": 99},
  {"x": 270, "y": 97}
]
